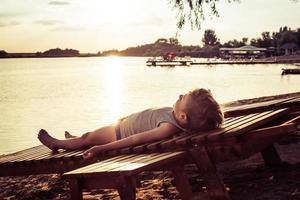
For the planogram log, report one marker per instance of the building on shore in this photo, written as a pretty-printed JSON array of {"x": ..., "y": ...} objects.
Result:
[
  {"x": 289, "y": 48},
  {"x": 247, "y": 51}
]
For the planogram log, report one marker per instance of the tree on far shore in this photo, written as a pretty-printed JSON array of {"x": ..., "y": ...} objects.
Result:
[
  {"x": 235, "y": 43},
  {"x": 57, "y": 52},
  {"x": 3, "y": 54},
  {"x": 210, "y": 38}
]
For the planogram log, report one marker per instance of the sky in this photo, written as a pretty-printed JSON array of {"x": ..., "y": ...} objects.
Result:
[{"x": 96, "y": 25}]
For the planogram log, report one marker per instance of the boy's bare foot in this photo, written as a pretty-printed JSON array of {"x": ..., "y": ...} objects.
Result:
[
  {"x": 68, "y": 135},
  {"x": 47, "y": 140}
]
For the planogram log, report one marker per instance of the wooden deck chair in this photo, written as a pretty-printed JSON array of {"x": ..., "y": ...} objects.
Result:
[
  {"x": 205, "y": 149},
  {"x": 40, "y": 160}
]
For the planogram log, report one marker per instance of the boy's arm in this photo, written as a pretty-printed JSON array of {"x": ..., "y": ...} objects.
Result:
[{"x": 163, "y": 131}]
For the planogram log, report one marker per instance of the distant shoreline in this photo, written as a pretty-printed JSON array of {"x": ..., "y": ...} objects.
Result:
[
  {"x": 33, "y": 55},
  {"x": 269, "y": 60}
]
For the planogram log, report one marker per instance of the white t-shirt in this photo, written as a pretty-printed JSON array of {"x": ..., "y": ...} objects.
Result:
[{"x": 147, "y": 120}]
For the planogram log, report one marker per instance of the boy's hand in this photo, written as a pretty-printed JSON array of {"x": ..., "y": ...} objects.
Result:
[{"x": 91, "y": 152}]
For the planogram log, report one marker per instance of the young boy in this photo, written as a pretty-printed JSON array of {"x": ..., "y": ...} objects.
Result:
[{"x": 194, "y": 111}]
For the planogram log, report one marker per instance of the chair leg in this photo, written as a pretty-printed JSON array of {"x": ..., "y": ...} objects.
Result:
[
  {"x": 208, "y": 171},
  {"x": 182, "y": 183},
  {"x": 75, "y": 189},
  {"x": 127, "y": 190},
  {"x": 271, "y": 156}
]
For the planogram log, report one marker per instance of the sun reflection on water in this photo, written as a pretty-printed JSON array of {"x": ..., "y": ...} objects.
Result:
[{"x": 114, "y": 86}]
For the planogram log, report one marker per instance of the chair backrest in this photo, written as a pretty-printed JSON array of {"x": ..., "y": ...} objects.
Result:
[{"x": 261, "y": 106}]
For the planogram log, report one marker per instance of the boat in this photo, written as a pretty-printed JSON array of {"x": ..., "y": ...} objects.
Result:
[{"x": 290, "y": 71}]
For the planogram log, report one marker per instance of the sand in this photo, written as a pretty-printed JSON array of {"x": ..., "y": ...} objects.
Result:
[{"x": 247, "y": 180}]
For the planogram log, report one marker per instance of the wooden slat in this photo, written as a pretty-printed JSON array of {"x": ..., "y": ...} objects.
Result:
[
  {"x": 168, "y": 143},
  {"x": 172, "y": 141},
  {"x": 242, "y": 127},
  {"x": 46, "y": 154},
  {"x": 49, "y": 156},
  {"x": 263, "y": 133},
  {"x": 140, "y": 148},
  {"x": 159, "y": 160},
  {"x": 33, "y": 154},
  {"x": 156, "y": 161},
  {"x": 126, "y": 150},
  {"x": 257, "y": 105},
  {"x": 75, "y": 154},
  {"x": 130, "y": 164},
  {"x": 240, "y": 119},
  {"x": 257, "y": 122},
  {"x": 112, "y": 152},
  {"x": 229, "y": 119},
  {"x": 100, "y": 164},
  {"x": 138, "y": 162},
  {"x": 63, "y": 155},
  {"x": 291, "y": 100},
  {"x": 40, "y": 167},
  {"x": 202, "y": 136},
  {"x": 20, "y": 154},
  {"x": 66, "y": 154},
  {"x": 105, "y": 163},
  {"x": 113, "y": 165},
  {"x": 236, "y": 126},
  {"x": 156, "y": 145},
  {"x": 262, "y": 106},
  {"x": 294, "y": 120}
]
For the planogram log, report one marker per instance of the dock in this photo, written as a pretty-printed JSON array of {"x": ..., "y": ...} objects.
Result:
[
  {"x": 290, "y": 71},
  {"x": 172, "y": 63},
  {"x": 218, "y": 62}
]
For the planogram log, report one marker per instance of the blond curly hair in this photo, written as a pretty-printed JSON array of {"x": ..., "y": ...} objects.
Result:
[{"x": 203, "y": 113}]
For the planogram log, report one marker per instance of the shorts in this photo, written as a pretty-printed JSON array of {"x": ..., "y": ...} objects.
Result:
[{"x": 117, "y": 129}]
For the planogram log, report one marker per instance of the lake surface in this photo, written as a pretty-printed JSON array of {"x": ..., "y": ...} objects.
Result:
[{"x": 83, "y": 94}]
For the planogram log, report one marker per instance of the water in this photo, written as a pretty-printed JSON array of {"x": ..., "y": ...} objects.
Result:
[{"x": 82, "y": 94}]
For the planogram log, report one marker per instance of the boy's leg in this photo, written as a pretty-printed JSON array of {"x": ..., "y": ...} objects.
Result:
[{"x": 100, "y": 136}]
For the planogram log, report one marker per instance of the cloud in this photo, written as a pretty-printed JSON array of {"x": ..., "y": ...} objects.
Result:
[
  {"x": 10, "y": 23},
  {"x": 48, "y": 22},
  {"x": 9, "y": 14},
  {"x": 68, "y": 28},
  {"x": 59, "y": 3},
  {"x": 14, "y": 23}
]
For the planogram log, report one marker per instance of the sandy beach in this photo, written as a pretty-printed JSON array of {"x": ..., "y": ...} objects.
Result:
[{"x": 247, "y": 179}]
